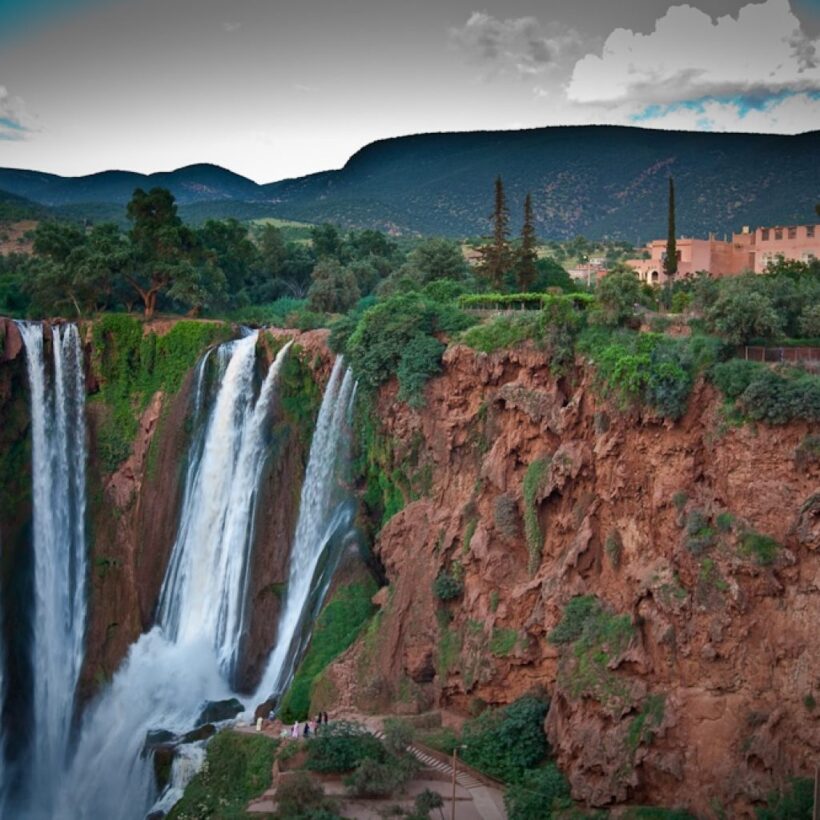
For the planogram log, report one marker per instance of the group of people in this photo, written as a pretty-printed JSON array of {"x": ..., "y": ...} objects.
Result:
[{"x": 309, "y": 727}]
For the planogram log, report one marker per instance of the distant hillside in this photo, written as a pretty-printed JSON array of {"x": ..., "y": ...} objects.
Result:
[
  {"x": 15, "y": 208},
  {"x": 592, "y": 180}
]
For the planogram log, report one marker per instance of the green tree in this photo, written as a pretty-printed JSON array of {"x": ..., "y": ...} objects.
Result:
[
  {"x": 526, "y": 270},
  {"x": 810, "y": 321},
  {"x": 162, "y": 247},
  {"x": 327, "y": 241},
  {"x": 226, "y": 245},
  {"x": 670, "y": 262},
  {"x": 740, "y": 314},
  {"x": 496, "y": 256},
  {"x": 333, "y": 288},
  {"x": 618, "y": 293}
]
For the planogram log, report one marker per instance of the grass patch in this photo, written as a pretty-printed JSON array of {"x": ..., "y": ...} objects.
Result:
[
  {"x": 592, "y": 638},
  {"x": 338, "y": 625},
  {"x": 503, "y": 642},
  {"x": 534, "y": 480},
  {"x": 237, "y": 769},
  {"x": 763, "y": 549}
]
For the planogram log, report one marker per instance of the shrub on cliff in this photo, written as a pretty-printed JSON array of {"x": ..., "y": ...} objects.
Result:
[
  {"x": 539, "y": 793},
  {"x": 793, "y": 804},
  {"x": 506, "y": 742},
  {"x": 395, "y": 337},
  {"x": 447, "y": 587}
]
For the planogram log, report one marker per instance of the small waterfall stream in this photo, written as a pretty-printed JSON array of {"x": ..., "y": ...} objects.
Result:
[
  {"x": 323, "y": 513},
  {"x": 60, "y": 562}
]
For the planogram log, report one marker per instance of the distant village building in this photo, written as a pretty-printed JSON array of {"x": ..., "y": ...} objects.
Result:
[
  {"x": 589, "y": 273},
  {"x": 747, "y": 251}
]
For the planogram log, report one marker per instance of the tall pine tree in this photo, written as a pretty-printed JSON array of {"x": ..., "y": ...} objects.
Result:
[
  {"x": 527, "y": 255},
  {"x": 496, "y": 256},
  {"x": 670, "y": 263}
]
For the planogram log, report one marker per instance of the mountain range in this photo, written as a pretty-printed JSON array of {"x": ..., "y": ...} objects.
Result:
[{"x": 597, "y": 181}]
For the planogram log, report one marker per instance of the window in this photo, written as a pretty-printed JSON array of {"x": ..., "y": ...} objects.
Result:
[
  {"x": 778, "y": 234},
  {"x": 810, "y": 231},
  {"x": 764, "y": 235},
  {"x": 792, "y": 233}
]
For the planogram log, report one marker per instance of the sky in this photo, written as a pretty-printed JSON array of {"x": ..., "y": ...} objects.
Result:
[{"x": 273, "y": 90}]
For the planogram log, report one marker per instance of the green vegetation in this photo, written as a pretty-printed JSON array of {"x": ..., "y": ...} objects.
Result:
[
  {"x": 447, "y": 587},
  {"x": 593, "y": 637},
  {"x": 337, "y": 626},
  {"x": 397, "y": 337},
  {"x": 646, "y": 723},
  {"x": 132, "y": 367},
  {"x": 793, "y": 804},
  {"x": 534, "y": 480},
  {"x": 700, "y": 536},
  {"x": 300, "y": 797},
  {"x": 763, "y": 549},
  {"x": 503, "y": 641},
  {"x": 237, "y": 769},
  {"x": 540, "y": 793},
  {"x": 341, "y": 746},
  {"x": 506, "y": 742},
  {"x": 774, "y": 396}
]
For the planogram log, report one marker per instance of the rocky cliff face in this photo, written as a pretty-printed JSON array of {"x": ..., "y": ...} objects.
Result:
[{"x": 686, "y": 672}]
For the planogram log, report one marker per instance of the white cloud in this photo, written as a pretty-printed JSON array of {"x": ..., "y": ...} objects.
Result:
[
  {"x": 785, "y": 115},
  {"x": 688, "y": 56},
  {"x": 521, "y": 45},
  {"x": 231, "y": 26},
  {"x": 15, "y": 123}
]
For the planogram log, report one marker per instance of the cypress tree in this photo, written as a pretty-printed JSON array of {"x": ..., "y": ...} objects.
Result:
[
  {"x": 496, "y": 255},
  {"x": 670, "y": 264},
  {"x": 527, "y": 256}
]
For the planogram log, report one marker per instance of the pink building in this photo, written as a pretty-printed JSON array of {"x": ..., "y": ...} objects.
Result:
[{"x": 747, "y": 251}]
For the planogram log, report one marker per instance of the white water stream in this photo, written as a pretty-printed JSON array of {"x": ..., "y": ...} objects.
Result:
[{"x": 58, "y": 470}]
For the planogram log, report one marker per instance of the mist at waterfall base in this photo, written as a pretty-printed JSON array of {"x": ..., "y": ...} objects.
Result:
[{"x": 190, "y": 656}]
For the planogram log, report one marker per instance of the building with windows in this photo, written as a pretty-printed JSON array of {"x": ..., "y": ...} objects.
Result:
[{"x": 746, "y": 251}]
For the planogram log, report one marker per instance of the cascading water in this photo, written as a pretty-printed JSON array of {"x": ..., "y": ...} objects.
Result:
[
  {"x": 323, "y": 514},
  {"x": 58, "y": 470},
  {"x": 189, "y": 657},
  {"x": 204, "y": 588}
]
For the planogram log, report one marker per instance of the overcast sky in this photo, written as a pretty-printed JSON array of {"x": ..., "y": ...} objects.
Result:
[{"x": 272, "y": 89}]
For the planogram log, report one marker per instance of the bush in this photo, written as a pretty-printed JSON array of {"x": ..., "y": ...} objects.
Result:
[
  {"x": 539, "y": 793},
  {"x": 776, "y": 399},
  {"x": 505, "y": 742},
  {"x": 793, "y": 804},
  {"x": 741, "y": 314},
  {"x": 700, "y": 536},
  {"x": 618, "y": 293},
  {"x": 733, "y": 377},
  {"x": 341, "y": 746},
  {"x": 387, "y": 333},
  {"x": 381, "y": 778},
  {"x": 398, "y": 735},
  {"x": 421, "y": 360},
  {"x": 299, "y": 797},
  {"x": 502, "y": 333},
  {"x": 237, "y": 769},
  {"x": 762, "y": 548},
  {"x": 447, "y": 587}
]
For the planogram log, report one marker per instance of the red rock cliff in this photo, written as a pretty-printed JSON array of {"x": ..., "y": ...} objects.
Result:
[{"x": 705, "y": 536}]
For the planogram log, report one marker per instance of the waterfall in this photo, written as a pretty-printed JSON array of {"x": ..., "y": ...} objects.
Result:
[
  {"x": 190, "y": 656},
  {"x": 58, "y": 471},
  {"x": 204, "y": 588},
  {"x": 323, "y": 514}
]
